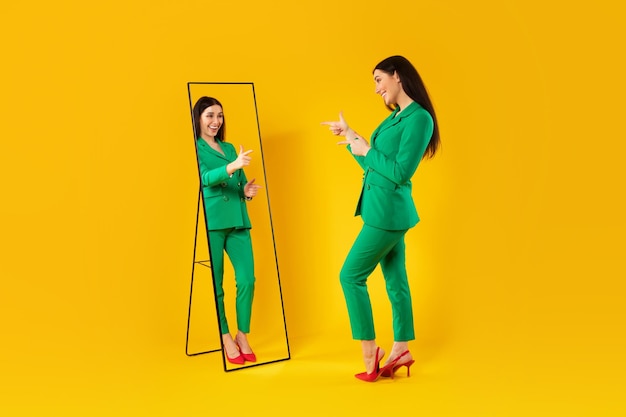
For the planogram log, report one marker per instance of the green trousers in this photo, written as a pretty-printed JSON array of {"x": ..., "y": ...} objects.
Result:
[
  {"x": 237, "y": 244},
  {"x": 374, "y": 246}
]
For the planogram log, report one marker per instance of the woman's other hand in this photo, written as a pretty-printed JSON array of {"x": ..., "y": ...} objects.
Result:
[
  {"x": 251, "y": 189},
  {"x": 359, "y": 146}
]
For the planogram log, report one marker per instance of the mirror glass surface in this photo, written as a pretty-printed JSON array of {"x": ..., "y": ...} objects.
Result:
[{"x": 268, "y": 333}]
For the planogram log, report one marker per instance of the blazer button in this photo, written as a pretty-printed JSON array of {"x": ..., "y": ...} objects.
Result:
[
  {"x": 242, "y": 199},
  {"x": 225, "y": 198},
  {"x": 239, "y": 184},
  {"x": 223, "y": 184},
  {"x": 368, "y": 186},
  {"x": 371, "y": 169}
]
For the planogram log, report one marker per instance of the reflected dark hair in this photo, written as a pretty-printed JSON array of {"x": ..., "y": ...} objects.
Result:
[
  {"x": 414, "y": 87},
  {"x": 201, "y": 105}
]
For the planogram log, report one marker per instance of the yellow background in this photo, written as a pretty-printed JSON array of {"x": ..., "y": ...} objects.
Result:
[{"x": 517, "y": 267}]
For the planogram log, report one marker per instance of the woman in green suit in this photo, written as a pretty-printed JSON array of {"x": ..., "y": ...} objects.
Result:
[
  {"x": 408, "y": 135},
  {"x": 226, "y": 190}
]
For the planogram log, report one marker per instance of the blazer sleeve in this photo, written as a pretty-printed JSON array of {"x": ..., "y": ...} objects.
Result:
[
  {"x": 413, "y": 142},
  {"x": 211, "y": 177},
  {"x": 359, "y": 159}
]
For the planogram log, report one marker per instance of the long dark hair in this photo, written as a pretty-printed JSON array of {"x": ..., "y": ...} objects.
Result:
[
  {"x": 414, "y": 87},
  {"x": 201, "y": 105}
]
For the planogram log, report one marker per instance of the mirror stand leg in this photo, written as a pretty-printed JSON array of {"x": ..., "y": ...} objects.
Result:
[{"x": 193, "y": 268}]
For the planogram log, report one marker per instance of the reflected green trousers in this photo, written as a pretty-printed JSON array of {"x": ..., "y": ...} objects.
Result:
[
  {"x": 371, "y": 247},
  {"x": 237, "y": 244}
]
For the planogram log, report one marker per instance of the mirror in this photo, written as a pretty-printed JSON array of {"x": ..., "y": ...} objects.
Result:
[{"x": 268, "y": 332}]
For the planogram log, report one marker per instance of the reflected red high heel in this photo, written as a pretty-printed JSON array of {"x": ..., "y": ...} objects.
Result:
[
  {"x": 378, "y": 371},
  {"x": 390, "y": 371},
  {"x": 250, "y": 357},
  {"x": 239, "y": 360}
]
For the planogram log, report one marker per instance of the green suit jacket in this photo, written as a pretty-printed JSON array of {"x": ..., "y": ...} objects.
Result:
[
  {"x": 224, "y": 200},
  {"x": 398, "y": 145}
]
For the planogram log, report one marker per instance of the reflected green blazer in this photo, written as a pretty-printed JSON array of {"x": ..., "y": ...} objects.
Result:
[
  {"x": 224, "y": 200},
  {"x": 398, "y": 145}
]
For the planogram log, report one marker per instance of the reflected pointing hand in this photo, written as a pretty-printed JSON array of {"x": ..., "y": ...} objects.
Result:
[{"x": 243, "y": 160}]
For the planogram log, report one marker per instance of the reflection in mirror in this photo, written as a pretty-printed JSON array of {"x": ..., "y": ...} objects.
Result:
[{"x": 243, "y": 262}]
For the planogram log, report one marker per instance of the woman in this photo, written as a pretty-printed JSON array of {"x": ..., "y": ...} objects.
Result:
[
  {"x": 408, "y": 135},
  {"x": 226, "y": 191}
]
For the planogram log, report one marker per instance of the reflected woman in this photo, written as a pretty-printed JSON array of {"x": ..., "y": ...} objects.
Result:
[
  {"x": 386, "y": 206},
  {"x": 226, "y": 190}
]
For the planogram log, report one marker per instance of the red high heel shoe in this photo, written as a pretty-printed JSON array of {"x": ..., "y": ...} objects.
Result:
[
  {"x": 250, "y": 357},
  {"x": 239, "y": 360},
  {"x": 390, "y": 371},
  {"x": 378, "y": 371}
]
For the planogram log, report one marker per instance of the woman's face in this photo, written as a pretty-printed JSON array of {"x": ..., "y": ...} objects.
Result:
[
  {"x": 388, "y": 86},
  {"x": 211, "y": 120}
]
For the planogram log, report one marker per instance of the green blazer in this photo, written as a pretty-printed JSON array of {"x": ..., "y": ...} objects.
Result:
[
  {"x": 224, "y": 200},
  {"x": 398, "y": 145}
]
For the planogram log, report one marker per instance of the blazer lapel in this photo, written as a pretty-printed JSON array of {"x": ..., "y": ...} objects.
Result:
[
  {"x": 386, "y": 124},
  {"x": 393, "y": 119},
  {"x": 212, "y": 151}
]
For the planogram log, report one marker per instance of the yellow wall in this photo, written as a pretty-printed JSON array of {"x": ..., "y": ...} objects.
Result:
[{"x": 517, "y": 266}]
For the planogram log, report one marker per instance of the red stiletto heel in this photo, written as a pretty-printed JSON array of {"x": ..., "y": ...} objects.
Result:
[
  {"x": 408, "y": 367},
  {"x": 390, "y": 371},
  {"x": 378, "y": 371}
]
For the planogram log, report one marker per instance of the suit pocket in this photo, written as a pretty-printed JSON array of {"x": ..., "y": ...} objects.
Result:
[
  {"x": 375, "y": 178},
  {"x": 215, "y": 191}
]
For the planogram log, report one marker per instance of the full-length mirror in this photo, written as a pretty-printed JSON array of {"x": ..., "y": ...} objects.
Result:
[{"x": 237, "y": 218}]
